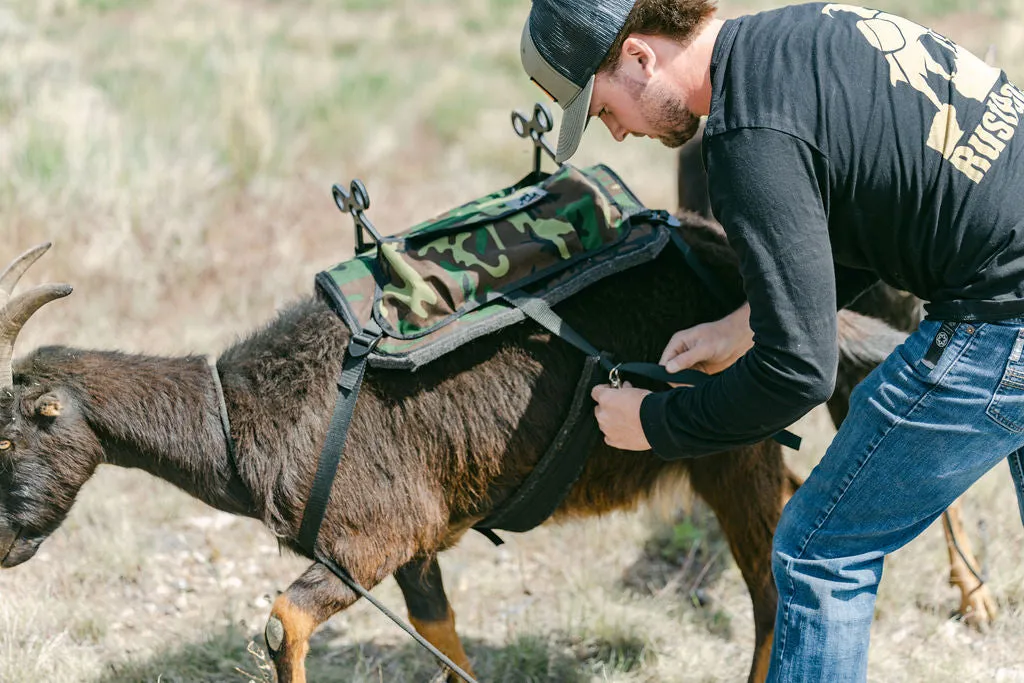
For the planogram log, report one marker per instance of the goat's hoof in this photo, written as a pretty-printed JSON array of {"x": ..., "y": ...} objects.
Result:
[
  {"x": 274, "y": 633},
  {"x": 978, "y": 609}
]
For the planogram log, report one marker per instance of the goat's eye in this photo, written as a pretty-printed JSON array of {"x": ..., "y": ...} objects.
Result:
[{"x": 5, "y": 445}]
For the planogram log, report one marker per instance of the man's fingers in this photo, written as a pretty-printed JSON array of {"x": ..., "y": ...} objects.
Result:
[
  {"x": 686, "y": 360},
  {"x": 596, "y": 392},
  {"x": 679, "y": 343}
]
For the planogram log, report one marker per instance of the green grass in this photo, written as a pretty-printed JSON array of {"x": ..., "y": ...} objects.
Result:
[{"x": 42, "y": 159}]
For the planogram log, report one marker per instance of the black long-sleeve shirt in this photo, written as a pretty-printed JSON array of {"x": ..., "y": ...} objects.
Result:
[{"x": 852, "y": 145}]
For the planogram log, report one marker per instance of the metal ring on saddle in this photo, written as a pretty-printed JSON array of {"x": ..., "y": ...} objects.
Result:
[
  {"x": 534, "y": 129},
  {"x": 355, "y": 202},
  {"x": 614, "y": 378}
]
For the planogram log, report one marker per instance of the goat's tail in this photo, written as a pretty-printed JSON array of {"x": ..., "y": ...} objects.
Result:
[{"x": 864, "y": 342}]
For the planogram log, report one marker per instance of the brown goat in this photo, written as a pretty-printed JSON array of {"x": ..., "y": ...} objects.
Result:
[
  {"x": 428, "y": 454},
  {"x": 904, "y": 312}
]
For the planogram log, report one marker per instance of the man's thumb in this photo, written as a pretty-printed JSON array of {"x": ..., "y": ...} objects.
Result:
[{"x": 684, "y": 361}]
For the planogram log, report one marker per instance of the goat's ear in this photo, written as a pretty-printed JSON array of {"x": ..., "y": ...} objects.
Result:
[{"x": 48, "y": 405}]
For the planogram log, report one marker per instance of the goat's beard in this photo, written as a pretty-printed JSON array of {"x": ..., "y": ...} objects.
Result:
[
  {"x": 671, "y": 122},
  {"x": 17, "y": 548}
]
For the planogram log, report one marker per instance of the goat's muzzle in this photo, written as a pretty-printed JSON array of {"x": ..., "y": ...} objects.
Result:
[{"x": 16, "y": 547}]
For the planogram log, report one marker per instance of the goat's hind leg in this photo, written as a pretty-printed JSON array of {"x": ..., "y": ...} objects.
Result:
[
  {"x": 977, "y": 607},
  {"x": 429, "y": 610},
  {"x": 311, "y": 600}
]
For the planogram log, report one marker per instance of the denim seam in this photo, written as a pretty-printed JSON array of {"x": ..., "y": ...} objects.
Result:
[
  {"x": 824, "y": 518},
  {"x": 992, "y": 409},
  {"x": 937, "y": 385},
  {"x": 1020, "y": 470},
  {"x": 969, "y": 343}
]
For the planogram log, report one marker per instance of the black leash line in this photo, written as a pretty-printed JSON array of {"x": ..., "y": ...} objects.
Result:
[
  {"x": 960, "y": 551},
  {"x": 363, "y": 593},
  {"x": 326, "y": 561}
]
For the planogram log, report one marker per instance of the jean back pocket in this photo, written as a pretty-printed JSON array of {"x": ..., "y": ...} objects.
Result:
[{"x": 1007, "y": 404}]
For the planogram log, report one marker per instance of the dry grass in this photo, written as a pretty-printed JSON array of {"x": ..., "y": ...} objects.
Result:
[{"x": 180, "y": 154}]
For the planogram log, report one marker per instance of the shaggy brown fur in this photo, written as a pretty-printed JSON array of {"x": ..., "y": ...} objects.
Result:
[{"x": 428, "y": 454}]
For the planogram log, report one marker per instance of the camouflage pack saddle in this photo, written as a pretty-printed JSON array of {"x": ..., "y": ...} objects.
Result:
[
  {"x": 493, "y": 262},
  {"x": 456, "y": 277}
]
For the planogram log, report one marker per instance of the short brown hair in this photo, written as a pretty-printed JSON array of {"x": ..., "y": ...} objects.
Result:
[{"x": 676, "y": 19}]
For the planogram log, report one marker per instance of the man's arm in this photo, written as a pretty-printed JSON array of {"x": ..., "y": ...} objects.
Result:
[{"x": 769, "y": 191}]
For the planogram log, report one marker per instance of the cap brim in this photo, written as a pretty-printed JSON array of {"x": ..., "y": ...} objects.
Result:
[{"x": 574, "y": 121}]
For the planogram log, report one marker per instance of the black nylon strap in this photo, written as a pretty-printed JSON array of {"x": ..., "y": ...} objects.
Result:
[
  {"x": 556, "y": 472},
  {"x": 353, "y": 367},
  {"x": 659, "y": 374},
  {"x": 357, "y": 588},
  {"x": 540, "y": 312},
  {"x": 695, "y": 264}
]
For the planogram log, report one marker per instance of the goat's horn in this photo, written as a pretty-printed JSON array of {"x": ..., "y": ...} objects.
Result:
[
  {"x": 9, "y": 278},
  {"x": 14, "y": 315}
]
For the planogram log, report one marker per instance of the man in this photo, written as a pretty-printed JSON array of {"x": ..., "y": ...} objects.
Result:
[{"x": 842, "y": 145}]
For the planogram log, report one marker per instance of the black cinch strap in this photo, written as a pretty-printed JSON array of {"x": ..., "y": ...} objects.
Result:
[
  {"x": 540, "y": 312},
  {"x": 696, "y": 265},
  {"x": 353, "y": 367},
  {"x": 557, "y": 471}
]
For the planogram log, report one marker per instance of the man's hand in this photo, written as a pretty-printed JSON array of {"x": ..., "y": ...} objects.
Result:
[
  {"x": 710, "y": 347},
  {"x": 618, "y": 416}
]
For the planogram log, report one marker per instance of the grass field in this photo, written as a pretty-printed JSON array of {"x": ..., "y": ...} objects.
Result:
[{"x": 180, "y": 155}]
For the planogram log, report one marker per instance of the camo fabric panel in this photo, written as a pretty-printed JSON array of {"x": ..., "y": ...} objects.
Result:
[{"x": 447, "y": 274}]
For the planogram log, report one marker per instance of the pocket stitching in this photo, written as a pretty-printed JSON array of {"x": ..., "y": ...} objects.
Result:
[{"x": 1011, "y": 380}]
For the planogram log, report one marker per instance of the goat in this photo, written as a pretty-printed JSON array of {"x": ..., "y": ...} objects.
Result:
[
  {"x": 904, "y": 312},
  {"x": 428, "y": 454}
]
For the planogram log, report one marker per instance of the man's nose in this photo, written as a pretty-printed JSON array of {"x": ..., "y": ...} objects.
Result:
[{"x": 617, "y": 130}]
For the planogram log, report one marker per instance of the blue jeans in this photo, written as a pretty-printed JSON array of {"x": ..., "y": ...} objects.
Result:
[{"x": 916, "y": 438}]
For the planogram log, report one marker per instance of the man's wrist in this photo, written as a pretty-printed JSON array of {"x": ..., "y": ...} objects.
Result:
[{"x": 740, "y": 332}]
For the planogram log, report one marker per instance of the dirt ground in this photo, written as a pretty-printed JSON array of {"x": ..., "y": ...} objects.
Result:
[{"x": 180, "y": 155}]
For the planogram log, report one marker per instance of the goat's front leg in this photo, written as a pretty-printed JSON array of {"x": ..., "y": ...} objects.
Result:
[
  {"x": 429, "y": 611},
  {"x": 311, "y": 600},
  {"x": 976, "y": 604}
]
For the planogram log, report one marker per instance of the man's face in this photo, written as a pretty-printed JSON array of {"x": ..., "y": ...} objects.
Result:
[{"x": 634, "y": 100}]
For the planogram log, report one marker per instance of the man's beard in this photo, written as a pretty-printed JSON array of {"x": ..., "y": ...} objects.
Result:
[{"x": 672, "y": 123}]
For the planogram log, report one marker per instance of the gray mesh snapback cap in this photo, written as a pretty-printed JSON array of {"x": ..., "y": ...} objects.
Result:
[{"x": 563, "y": 44}]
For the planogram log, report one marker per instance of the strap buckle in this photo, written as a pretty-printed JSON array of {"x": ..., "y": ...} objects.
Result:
[
  {"x": 614, "y": 378},
  {"x": 362, "y": 343}
]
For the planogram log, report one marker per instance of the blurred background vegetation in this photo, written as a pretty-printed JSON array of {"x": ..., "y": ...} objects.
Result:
[{"x": 180, "y": 154}]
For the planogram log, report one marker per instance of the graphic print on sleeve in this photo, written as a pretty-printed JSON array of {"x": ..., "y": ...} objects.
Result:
[{"x": 923, "y": 60}]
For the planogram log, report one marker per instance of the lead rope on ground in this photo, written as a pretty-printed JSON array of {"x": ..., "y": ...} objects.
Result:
[
  {"x": 330, "y": 564},
  {"x": 363, "y": 593},
  {"x": 960, "y": 551}
]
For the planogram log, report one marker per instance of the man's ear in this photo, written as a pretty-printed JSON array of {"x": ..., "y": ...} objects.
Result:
[
  {"x": 48, "y": 405},
  {"x": 638, "y": 56}
]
